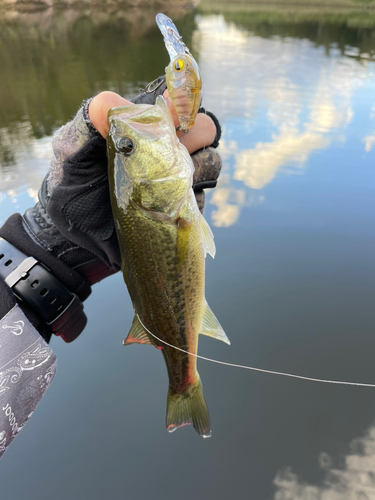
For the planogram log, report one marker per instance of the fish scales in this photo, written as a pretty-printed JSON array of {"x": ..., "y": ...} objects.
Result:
[{"x": 175, "y": 294}]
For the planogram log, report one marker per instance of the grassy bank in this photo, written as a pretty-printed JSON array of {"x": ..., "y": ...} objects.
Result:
[
  {"x": 313, "y": 5},
  {"x": 350, "y": 13}
]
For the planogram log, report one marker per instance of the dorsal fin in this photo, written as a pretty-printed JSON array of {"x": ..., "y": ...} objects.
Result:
[
  {"x": 208, "y": 237},
  {"x": 211, "y": 327},
  {"x": 137, "y": 334}
]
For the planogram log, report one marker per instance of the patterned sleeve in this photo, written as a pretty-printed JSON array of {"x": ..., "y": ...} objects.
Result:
[{"x": 27, "y": 367}]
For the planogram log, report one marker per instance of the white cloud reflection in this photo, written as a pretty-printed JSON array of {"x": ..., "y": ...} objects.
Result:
[
  {"x": 354, "y": 481},
  {"x": 286, "y": 90},
  {"x": 227, "y": 199},
  {"x": 369, "y": 141},
  {"x": 257, "y": 167}
]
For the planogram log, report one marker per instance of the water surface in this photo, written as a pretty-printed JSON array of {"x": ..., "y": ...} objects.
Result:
[{"x": 293, "y": 282}]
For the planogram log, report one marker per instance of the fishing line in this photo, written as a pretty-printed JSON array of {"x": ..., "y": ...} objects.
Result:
[{"x": 252, "y": 368}]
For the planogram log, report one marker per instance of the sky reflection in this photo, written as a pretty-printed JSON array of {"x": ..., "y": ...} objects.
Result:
[
  {"x": 295, "y": 101},
  {"x": 355, "y": 480}
]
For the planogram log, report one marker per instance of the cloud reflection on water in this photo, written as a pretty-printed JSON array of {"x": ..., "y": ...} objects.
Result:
[
  {"x": 369, "y": 141},
  {"x": 354, "y": 481},
  {"x": 292, "y": 93}
]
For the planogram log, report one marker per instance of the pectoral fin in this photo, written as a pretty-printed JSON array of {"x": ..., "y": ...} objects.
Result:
[
  {"x": 137, "y": 334},
  {"x": 211, "y": 327},
  {"x": 208, "y": 237}
]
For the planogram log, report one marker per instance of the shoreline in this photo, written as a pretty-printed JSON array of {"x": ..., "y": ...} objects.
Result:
[
  {"x": 270, "y": 5},
  {"x": 245, "y": 6}
]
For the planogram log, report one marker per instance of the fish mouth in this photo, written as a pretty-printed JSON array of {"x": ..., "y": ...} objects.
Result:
[
  {"x": 149, "y": 120},
  {"x": 131, "y": 111},
  {"x": 126, "y": 112}
]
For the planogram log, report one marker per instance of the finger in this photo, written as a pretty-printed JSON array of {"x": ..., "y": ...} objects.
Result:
[
  {"x": 99, "y": 107},
  {"x": 201, "y": 134}
]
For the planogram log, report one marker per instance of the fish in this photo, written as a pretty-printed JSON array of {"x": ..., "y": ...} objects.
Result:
[
  {"x": 163, "y": 240},
  {"x": 182, "y": 75}
]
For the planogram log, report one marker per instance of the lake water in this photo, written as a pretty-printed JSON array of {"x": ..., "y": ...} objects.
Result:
[{"x": 293, "y": 282}]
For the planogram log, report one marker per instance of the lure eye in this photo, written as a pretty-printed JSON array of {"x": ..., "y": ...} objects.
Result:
[
  {"x": 179, "y": 65},
  {"x": 125, "y": 145}
]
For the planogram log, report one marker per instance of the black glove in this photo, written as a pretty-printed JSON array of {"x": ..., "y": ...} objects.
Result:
[{"x": 71, "y": 230}]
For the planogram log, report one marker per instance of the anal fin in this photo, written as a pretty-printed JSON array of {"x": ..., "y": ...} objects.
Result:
[
  {"x": 137, "y": 334},
  {"x": 211, "y": 327}
]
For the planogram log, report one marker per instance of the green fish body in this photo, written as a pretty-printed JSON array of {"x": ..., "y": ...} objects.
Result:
[{"x": 163, "y": 240}]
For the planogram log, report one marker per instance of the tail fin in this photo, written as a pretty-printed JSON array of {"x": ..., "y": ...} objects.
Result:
[{"x": 189, "y": 407}]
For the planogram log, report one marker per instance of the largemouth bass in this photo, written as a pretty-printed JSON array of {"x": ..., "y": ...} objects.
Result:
[{"x": 163, "y": 240}]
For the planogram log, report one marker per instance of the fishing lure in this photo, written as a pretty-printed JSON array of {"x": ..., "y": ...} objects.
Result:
[{"x": 183, "y": 77}]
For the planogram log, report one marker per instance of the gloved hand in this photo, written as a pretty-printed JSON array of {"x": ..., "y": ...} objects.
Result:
[
  {"x": 70, "y": 231},
  {"x": 73, "y": 218}
]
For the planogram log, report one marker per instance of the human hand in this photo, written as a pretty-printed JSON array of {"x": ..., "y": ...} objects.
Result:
[
  {"x": 207, "y": 163},
  {"x": 73, "y": 218},
  {"x": 201, "y": 134}
]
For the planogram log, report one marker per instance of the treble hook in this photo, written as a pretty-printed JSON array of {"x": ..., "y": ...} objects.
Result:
[{"x": 149, "y": 89}]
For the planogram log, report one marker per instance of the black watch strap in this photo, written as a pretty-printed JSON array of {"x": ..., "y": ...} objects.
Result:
[{"x": 37, "y": 287}]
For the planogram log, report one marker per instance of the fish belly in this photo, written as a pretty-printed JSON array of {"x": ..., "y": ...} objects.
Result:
[{"x": 166, "y": 286}]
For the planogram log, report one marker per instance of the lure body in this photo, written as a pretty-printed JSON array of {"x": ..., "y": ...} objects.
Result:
[
  {"x": 184, "y": 84},
  {"x": 183, "y": 77}
]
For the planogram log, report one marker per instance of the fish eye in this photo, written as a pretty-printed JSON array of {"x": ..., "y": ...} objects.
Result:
[
  {"x": 125, "y": 145},
  {"x": 179, "y": 64}
]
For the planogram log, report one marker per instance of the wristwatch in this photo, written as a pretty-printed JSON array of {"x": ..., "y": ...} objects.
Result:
[{"x": 34, "y": 284}]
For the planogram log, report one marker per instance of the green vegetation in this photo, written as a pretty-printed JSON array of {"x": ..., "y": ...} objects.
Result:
[
  {"x": 46, "y": 71},
  {"x": 50, "y": 63},
  {"x": 353, "y": 13},
  {"x": 293, "y": 4}
]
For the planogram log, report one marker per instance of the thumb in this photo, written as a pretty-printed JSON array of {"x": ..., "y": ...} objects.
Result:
[{"x": 99, "y": 107}]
